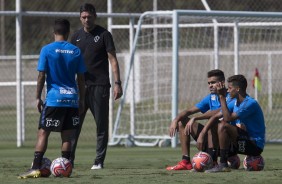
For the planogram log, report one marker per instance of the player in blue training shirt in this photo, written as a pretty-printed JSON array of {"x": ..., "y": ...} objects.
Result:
[
  {"x": 61, "y": 61},
  {"x": 248, "y": 140},
  {"x": 62, "y": 64},
  {"x": 208, "y": 106}
]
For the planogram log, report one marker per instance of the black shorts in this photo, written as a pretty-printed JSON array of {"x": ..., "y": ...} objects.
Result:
[
  {"x": 57, "y": 119},
  {"x": 244, "y": 145}
]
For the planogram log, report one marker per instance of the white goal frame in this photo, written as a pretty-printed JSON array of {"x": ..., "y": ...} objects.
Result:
[{"x": 154, "y": 139}]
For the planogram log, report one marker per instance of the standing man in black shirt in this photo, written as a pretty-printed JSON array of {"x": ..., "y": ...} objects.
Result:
[{"x": 96, "y": 44}]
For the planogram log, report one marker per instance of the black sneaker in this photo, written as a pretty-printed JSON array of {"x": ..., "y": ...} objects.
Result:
[
  {"x": 222, "y": 167},
  {"x": 72, "y": 163}
]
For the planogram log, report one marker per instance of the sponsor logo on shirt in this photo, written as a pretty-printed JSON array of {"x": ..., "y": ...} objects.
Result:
[
  {"x": 68, "y": 91},
  {"x": 64, "y": 51},
  {"x": 67, "y": 101},
  {"x": 213, "y": 97}
]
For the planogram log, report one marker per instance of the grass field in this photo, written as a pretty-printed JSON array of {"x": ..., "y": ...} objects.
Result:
[{"x": 135, "y": 165}]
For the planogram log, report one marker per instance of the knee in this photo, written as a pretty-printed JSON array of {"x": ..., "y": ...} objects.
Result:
[
  {"x": 66, "y": 139},
  {"x": 222, "y": 126},
  {"x": 42, "y": 133},
  {"x": 181, "y": 125}
]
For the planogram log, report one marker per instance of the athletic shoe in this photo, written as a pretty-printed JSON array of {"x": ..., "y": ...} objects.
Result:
[
  {"x": 182, "y": 165},
  {"x": 72, "y": 163},
  {"x": 97, "y": 166},
  {"x": 222, "y": 167},
  {"x": 215, "y": 163},
  {"x": 32, "y": 173}
]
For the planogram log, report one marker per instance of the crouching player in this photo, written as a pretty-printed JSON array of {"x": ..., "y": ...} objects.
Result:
[
  {"x": 209, "y": 106},
  {"x": 248, "y": 112}
]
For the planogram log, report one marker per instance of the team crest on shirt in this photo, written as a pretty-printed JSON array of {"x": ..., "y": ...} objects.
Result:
[
  {"x": 75, "y": 120},
  {"x": 213, "y": 97},
  {"x": 96, "y": 39}
]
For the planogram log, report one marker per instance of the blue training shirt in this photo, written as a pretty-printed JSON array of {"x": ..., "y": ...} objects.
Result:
[
  {"x": 61, "y": 61},
  {"x": 250, "y": 113},
  {"x": 211, "y": 102}
]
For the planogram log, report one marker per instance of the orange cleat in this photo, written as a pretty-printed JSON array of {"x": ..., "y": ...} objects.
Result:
[{"x": 182, "y": 165}]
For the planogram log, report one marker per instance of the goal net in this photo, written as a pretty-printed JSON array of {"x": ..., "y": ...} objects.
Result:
[{"x": 171, "y": 55}]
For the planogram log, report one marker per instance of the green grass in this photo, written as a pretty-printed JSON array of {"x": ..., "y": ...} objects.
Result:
[
  {"x": 134, "y": 165},
  {"x": 126, "y": 165}
]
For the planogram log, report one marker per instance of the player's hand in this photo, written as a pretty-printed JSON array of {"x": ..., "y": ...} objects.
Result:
[
  {"x": 39, "y": 103},
  {"x": 188, "y": 127},
  {"x": 220, "y": 88},
  {"x": 200, "y": 141},
  {"x": 173, "y": 128},
  {"x": 242, "y": 126},
  {"x": 117, "y": 91}
]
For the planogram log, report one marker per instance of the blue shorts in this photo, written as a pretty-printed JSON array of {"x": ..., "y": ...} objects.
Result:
[{"x": 57, "y": 119}]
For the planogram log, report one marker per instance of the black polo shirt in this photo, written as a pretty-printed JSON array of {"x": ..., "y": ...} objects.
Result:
[{"x": 94, "y": 46}]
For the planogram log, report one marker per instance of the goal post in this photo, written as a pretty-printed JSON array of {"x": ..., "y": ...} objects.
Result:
[{"x": 172, "y": 52}]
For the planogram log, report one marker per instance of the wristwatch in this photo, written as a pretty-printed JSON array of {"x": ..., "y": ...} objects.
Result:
[{"x": 118, "y": 82}]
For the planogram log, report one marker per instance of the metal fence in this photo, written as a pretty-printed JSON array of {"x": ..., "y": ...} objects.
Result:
[{"x": 25, "y": 26}]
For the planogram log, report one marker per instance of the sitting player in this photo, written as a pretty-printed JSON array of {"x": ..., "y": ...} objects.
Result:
[
  {"x": 248, "y": 112},
  {"x": 209, "y": 106}
]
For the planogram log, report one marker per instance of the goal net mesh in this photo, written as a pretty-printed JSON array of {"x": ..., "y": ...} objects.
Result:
[{"x": 204, "y": 43}]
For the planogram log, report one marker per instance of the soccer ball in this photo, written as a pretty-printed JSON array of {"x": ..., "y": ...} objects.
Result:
[
  {"x": 61, "y": 167},
  {"x": 202, "y": 161},
  {"x": 234, "y": 162},
  {"x": 253, "y": 163},
  {"x": 45, "y": 167}
]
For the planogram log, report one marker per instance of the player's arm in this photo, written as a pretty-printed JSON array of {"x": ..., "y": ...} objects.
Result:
[
  {"x": 39, "y": 88},
  {"x": 206, "y": 115},
  {"x": 211, "y": 122},
  {"x": 174, "y": 124},
  {"x": 115, "y": 69},
  {"x": 81, "y": 88},
  {"x": 227, "y": 115}
]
